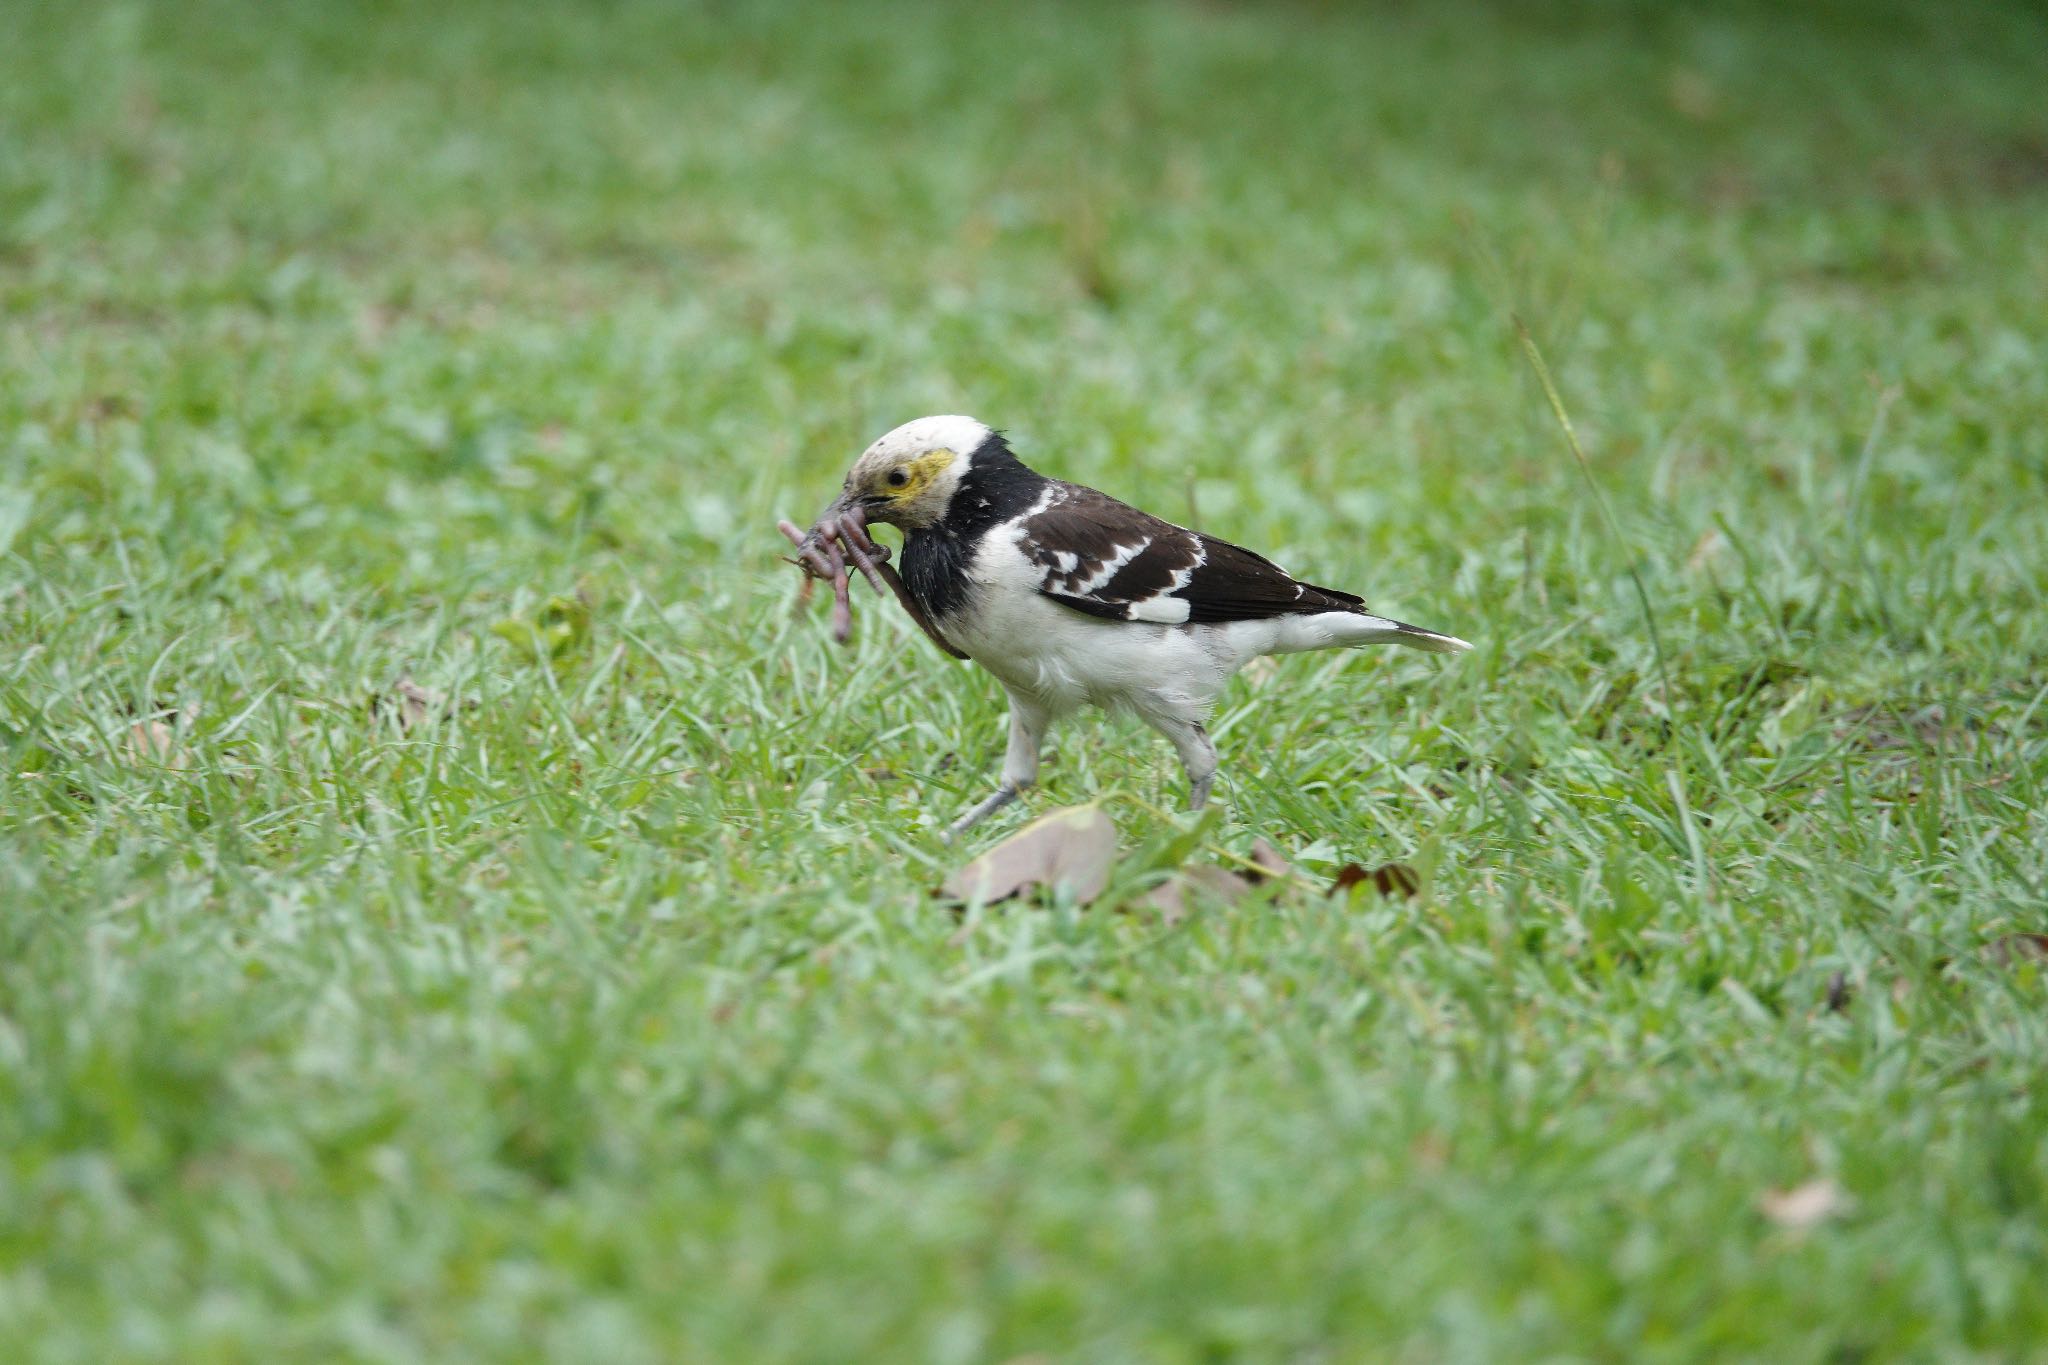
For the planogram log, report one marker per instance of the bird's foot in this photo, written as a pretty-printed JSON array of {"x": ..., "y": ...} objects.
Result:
[{"x": 1002, "y": 796}]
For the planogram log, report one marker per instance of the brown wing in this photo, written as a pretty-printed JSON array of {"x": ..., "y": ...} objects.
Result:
[{"x": 1111, "y": 560}]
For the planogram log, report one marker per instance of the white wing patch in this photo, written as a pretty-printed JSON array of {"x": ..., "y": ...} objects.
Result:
[
  {"x": 1100, "y": 579},
  {"x": 1166, "y": 611}
]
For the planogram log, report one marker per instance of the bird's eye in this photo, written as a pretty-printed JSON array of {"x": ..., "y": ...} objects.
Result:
[{"x": 898, "y": 477}]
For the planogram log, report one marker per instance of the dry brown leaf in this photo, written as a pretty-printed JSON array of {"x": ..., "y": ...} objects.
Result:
[
  {"x": 1884, "y": 728},
  {"x": 1802, "y": 1206},
  {"x": 1839, "y": 993},
  {"x": 2016, "y": 948},
  {"x": 1170, "y": 898},
  {"x": 1389, "y": 879},
  {"x": 1267, "y": 863},
  {"x": 416, "y": 705},
  {"x": 1071, "y": 848},
  {"x": 155, "y": 743},
  {"x": 409, "y": 704}
]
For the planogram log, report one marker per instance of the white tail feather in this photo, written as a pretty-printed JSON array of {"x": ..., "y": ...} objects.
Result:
[
  {"x": 1378, "y": 630},
  {"x": 1338, "y": 629}
]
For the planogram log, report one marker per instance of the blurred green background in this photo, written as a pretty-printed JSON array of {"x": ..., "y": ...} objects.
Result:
[{"x": 376, "y": 985}]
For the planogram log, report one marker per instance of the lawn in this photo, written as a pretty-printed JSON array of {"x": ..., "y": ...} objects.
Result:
[{"x": 455, "y": 904}]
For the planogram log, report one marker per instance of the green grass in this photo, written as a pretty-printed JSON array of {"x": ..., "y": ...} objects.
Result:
[{"x": 601, "y": 1012}]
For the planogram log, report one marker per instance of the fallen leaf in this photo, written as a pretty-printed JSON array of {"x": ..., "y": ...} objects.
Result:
[
  {"x": 1884, "y": 728},
  {"x": 1396, "y": 879},
  {"x": 1389, "y": 879},
  {"x": 1170, "y": 898},
  {"x": 1070, "y": 849},
  {"x": 1839, "y": 993},
  {"x": 1267, "y": 863},
  {"x": 1802, "y": 1206},
  {"x": 410, "y": 703},
  {"x": 2013, "y": 948},
  {"x": 415, "y": 703},
  {"x": 153, "y": 742}
]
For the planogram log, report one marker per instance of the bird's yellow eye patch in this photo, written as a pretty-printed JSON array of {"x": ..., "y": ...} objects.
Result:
[{"x": 919, "y": 471}]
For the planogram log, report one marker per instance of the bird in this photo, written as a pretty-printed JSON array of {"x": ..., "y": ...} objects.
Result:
[{"x": 1072, "y": 598}]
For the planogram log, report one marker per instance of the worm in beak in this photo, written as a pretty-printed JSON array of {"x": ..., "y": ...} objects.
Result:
[
  {"x": 840, "y": 534},
  {"x": 822, "y": 552}
]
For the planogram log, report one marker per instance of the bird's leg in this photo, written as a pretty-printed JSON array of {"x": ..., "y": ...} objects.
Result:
[
  {"x": 1020, "y": 764},
  {"x": 1197, "y": 754},
  {"x": 995, "y": 801}
]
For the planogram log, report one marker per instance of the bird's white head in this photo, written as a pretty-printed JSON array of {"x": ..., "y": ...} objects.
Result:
[{"x": 908, "y": 477}]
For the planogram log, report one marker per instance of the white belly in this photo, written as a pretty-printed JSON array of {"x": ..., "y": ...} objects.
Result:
[{"x": 1064, "y": 659}]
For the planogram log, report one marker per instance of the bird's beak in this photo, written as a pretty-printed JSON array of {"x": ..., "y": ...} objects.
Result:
[
  {"x": 842, "y": 510},
  {"x": 846, "y": 508}
]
